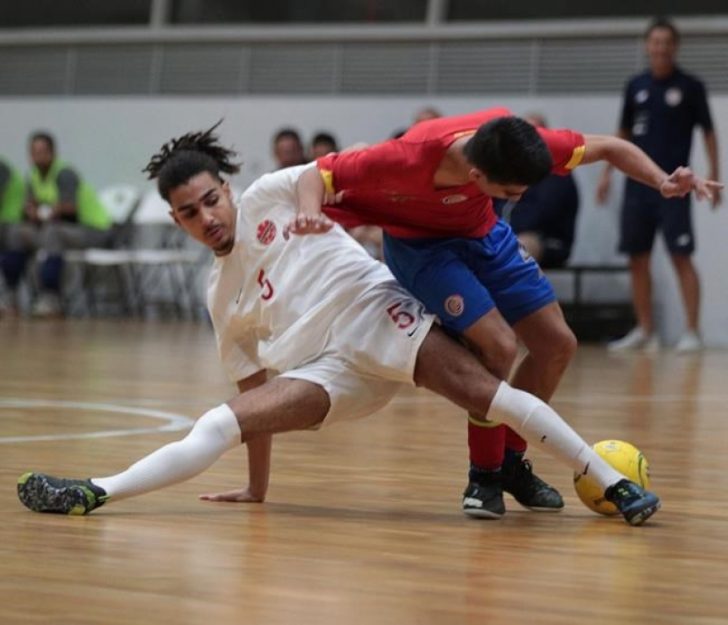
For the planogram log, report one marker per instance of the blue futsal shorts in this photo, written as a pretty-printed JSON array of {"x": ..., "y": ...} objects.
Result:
[{"x": 461, "y": 279}]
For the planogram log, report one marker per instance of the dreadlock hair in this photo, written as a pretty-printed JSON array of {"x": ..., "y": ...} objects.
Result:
[
  {"x": 509, "y": 150},
  {"x": 180, "y": 159}
]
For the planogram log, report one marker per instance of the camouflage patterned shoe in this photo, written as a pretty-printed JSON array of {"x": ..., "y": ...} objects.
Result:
[
  {"x": 634, "y": 502},
  {"x": 44, "y": 493}
]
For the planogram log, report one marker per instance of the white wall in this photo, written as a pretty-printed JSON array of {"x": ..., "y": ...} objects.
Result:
[{"x": 110, "y": 139}]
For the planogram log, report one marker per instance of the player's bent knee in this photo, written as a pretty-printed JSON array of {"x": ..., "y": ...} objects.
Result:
[
  {"x": 449, "y": 369},
  {"x": 566, "y": 344},
  {"x": 217, "y": 426},
  {"x": 499, "y": 355},
  {"x": 557, "y": 346},
  {"x": 496, "y": 343},
  {"x": 281, "y": 405}
]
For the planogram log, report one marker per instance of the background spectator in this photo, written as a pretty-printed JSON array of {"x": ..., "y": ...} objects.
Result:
[
  {"x": 323, "y": 143},
  {"x": 426, "y": 113},
  {"x": 12, "y": 196},
  {"x": 288, "y": 148},
  {"x": 661, "y": 108},
  {"x": 545, "y": 217},
  {"x": 61, "y": 212}
]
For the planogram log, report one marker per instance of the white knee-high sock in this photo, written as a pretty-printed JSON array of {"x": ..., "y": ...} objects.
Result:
[
  {"x": 540, "y": 425},
  {"x": 212, "y": 435}
]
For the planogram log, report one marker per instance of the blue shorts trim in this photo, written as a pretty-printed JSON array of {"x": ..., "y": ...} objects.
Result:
[{"x": 460, "y": 280}]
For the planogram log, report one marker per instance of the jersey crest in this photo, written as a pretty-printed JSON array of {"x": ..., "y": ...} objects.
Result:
[
  {"x": 455, "y": 305},
  {"x": 673, "y": 96},
  {"x": 454, "y": 199},
  {"x": 266, "y": 232}
]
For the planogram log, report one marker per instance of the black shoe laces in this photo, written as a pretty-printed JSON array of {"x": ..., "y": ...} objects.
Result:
[
  {"x": 524, "y": 478},
  {"x": 525, "y": 466}
]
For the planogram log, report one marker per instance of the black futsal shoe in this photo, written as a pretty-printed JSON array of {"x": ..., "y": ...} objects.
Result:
[
  {"x": 44, "y": 493},
  {"x": 634, "y": 502},
  {"x": 483, "y": 497},
  {"x": 527, "y": 488}
]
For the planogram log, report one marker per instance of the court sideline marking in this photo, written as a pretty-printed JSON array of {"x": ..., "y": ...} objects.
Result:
[{"x": 174, "y": 422}]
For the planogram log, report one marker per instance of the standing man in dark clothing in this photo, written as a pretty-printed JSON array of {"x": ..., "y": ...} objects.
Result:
[{"x": 661, "y": 108}]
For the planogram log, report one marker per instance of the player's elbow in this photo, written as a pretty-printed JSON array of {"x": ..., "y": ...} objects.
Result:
[{"x": 605, "y": 148}]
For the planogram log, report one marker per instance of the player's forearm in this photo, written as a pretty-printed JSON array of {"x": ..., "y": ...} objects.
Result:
[
  {"x": 621, "y": 134},
  {"x": 259, "y": 447},
  {"x": 310, "y": 192},
  {"x": 259, "y": 452},
  {"x": 626, "y": 157},
  {"x": 711, "y": 150},
  {"x": 633, "y": 162}
]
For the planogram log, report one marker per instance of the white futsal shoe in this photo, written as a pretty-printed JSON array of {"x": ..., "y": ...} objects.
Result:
[
  {"x": 689, "y": 342},
  {"x": 635, "y": 339}
]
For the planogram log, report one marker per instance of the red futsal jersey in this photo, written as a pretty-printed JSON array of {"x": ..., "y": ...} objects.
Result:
[{"x": 391, "y": 184}]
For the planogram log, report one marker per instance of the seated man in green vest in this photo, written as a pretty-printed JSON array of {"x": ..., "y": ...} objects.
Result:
[
  {"x": 61, "y": 212},
  {"x": 12, "y": 195}
]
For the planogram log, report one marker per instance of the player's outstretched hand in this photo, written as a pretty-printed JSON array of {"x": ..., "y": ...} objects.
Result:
[
  {"x": 708, "y": 190},
  {"x": 679, "y": 183},
  {"x": 307, "y": 224},
  {"x": 683, "y": 181},
  {"x": 241, "y": 495}
]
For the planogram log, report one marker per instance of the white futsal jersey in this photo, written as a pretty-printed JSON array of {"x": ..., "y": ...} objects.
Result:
[{"x": 315, "y": 301}]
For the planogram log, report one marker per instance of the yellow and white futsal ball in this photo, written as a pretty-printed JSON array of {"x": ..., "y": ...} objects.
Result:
[{"x": 626, "y": 459}]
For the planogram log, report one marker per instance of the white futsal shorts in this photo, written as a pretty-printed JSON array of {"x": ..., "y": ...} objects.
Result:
[{"x": 371, "y": 352}]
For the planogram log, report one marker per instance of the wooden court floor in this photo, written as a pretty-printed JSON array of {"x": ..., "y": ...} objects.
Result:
[{"x": 362, "y": 523}]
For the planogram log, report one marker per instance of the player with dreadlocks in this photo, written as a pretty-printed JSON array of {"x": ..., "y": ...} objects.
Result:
[{"x": 340, "y": 332}]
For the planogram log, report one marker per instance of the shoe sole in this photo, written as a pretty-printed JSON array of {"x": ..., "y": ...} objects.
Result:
[
  {"x": 36, "y": 495},
  {"x": 480, "y": 513},
  {"x": 535, "y": 509},
  {"x": 643, "y": 515}
]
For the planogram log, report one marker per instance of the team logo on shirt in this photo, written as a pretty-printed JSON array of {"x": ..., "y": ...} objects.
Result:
[
  {"x": 455, "y": 305},
  {"x": 266, "y": 232},
  {"x": 673, "y": 96},
  {"x": 454, "y": 199},
  {"x": 641, "y": 96}
]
